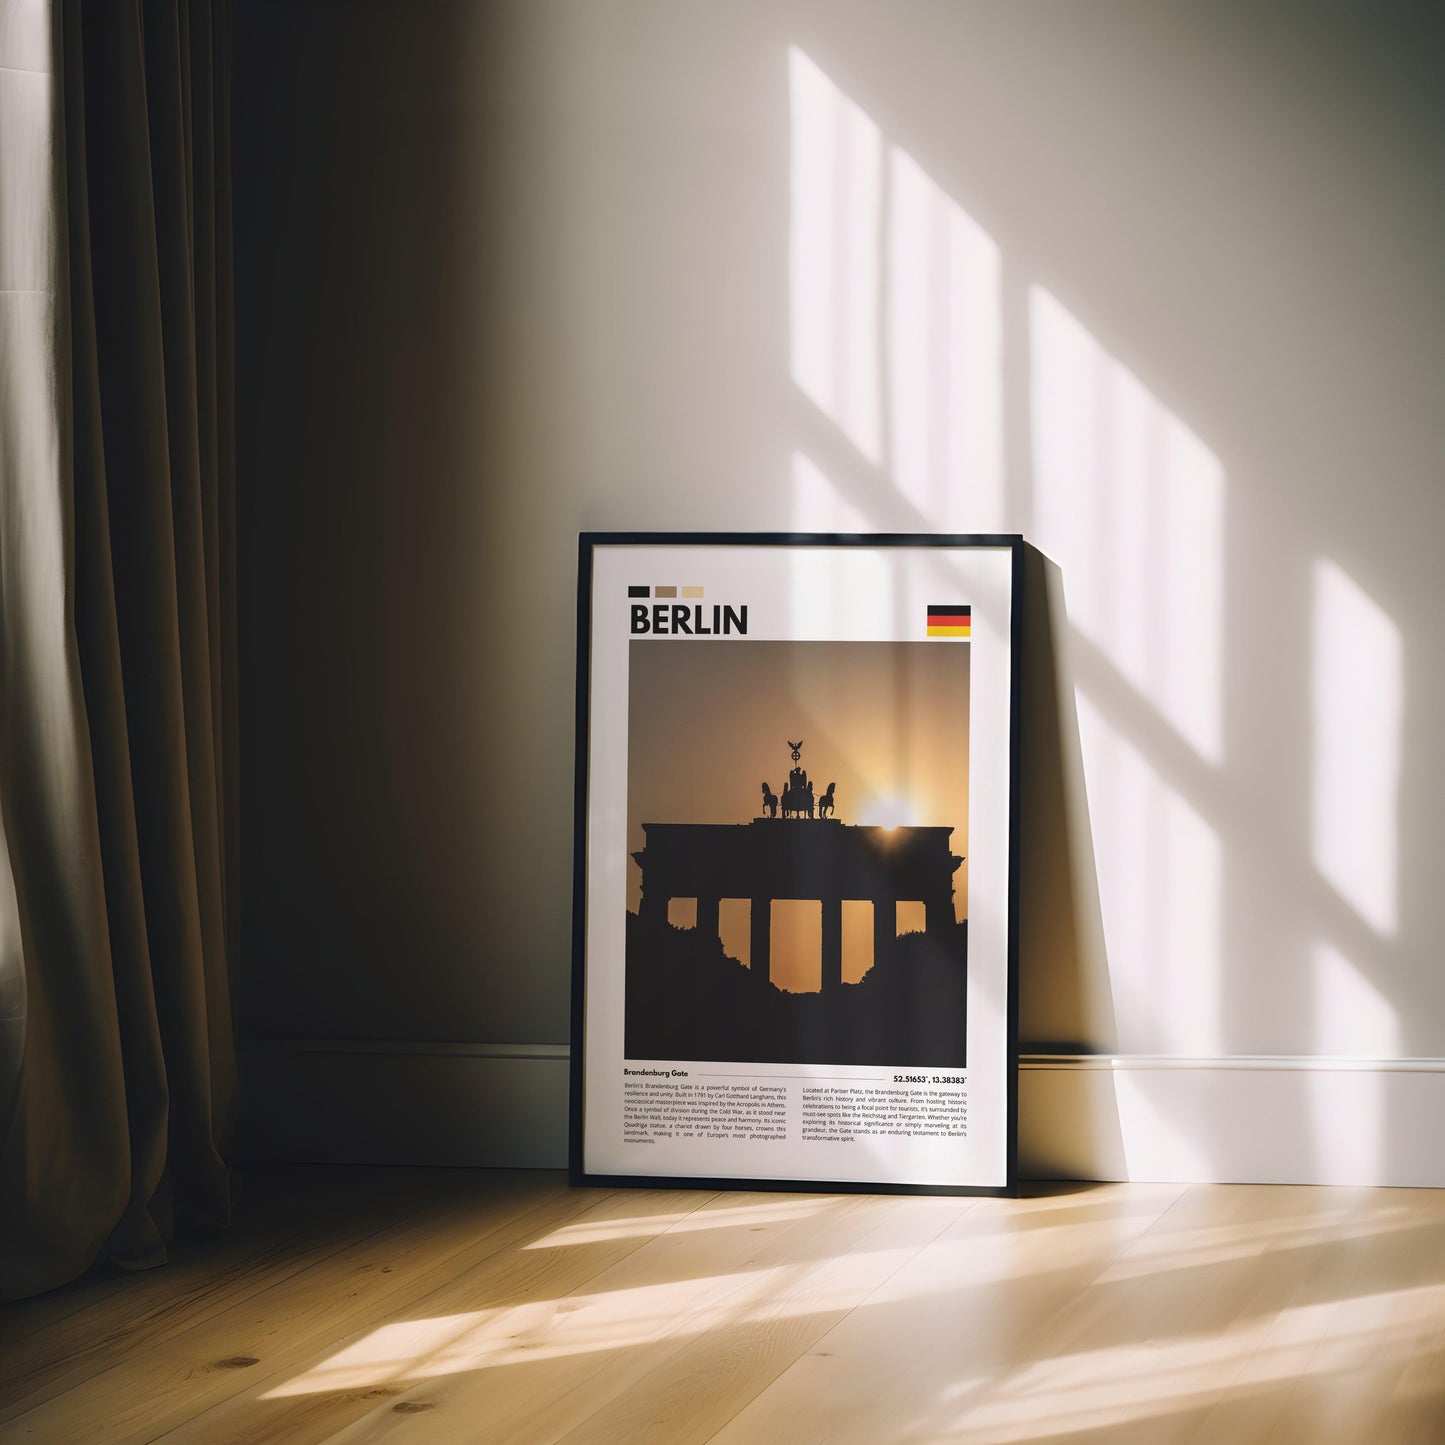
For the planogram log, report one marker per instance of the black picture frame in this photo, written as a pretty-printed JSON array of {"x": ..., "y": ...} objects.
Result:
[{"x": 588, "y": 545}]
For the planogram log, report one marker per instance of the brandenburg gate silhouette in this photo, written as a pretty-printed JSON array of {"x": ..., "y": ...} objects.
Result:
[{"x": 813, "y": 859}]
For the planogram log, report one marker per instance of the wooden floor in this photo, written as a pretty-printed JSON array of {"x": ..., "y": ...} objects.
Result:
[{"x": 447, "y": 1306}]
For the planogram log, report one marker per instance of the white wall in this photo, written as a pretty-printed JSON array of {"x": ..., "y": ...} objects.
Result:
[{"x": 1159, "y": 287}]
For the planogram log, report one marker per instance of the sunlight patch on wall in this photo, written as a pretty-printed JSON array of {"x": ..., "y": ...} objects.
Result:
[
  {"x": 1130, "y": 504},
  {"x": 896, "y": 315},
  {"x": 1161, "y": 870},
  {"x": 819, "y": 600},
  {"x": 1347, "y": 1111},
  {"x": 1357, "y": 719},
  {"x": 818, "y": 505},
  {"x": 837, "y": 179},
  {"x": 944, "y": 355},
  {"x": 1128, "y": 501},
  {"x": 1352, "y": 1016}
]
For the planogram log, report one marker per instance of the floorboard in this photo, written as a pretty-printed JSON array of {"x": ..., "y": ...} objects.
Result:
[{"x": 352, "y": 1307}]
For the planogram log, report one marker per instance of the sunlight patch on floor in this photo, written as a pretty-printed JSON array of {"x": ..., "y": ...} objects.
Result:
[
  {"x": 589, "y": 1322},
  {"x": 722, "y": 1218},
  {"x": 1114, "y": 1385}
]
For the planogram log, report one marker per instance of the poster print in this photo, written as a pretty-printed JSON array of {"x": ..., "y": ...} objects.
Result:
[
  {"x": 776, "y": 917},
  {"x": 778, "y": 791}
]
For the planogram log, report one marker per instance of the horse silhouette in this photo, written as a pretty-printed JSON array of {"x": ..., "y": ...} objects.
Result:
[
  {"x": 825, "y": 803},
  {"x": 770, "y": 801}
]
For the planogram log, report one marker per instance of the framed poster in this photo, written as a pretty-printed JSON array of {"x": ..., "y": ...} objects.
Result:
[{"x": 796, "y": 869}]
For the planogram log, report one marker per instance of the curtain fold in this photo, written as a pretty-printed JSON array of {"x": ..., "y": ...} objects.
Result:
[{"x": 118, "y": 755}]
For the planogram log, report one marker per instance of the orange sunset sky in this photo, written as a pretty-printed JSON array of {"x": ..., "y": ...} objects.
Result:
[{"x": 886, "y": 721}]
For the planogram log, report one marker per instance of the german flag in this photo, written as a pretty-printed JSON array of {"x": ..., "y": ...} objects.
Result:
[{"x": 949, "y": 620}]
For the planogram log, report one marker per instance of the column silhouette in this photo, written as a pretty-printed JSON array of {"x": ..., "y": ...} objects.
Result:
[
  {"x": 654, "y": 905},
  {"x": 761, "y": 940},
  {"x": 885, "y": 931},
  {"x": 832, "y": 944},
  {"x": 707, "y": 917},
  {"x": 939, "y": 914}
]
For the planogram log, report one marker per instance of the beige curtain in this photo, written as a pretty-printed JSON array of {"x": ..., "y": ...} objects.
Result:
[{"x": 117, "y": 658}]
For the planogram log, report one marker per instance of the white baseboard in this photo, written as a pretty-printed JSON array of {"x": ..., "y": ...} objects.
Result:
[
  {"x": 341, "y": 1101},
  {"x": 1258, "y": 1120},
  {"x": 1222, "y": 1120}
]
